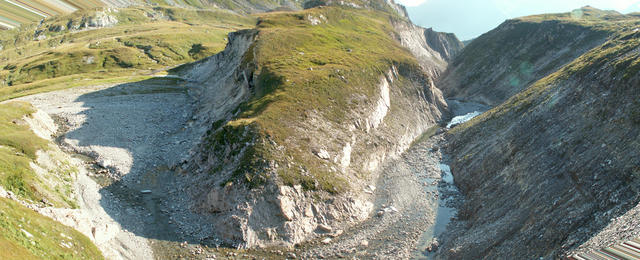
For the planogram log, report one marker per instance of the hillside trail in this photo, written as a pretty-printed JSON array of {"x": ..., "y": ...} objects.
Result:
[{"x": 127, "y": 138}]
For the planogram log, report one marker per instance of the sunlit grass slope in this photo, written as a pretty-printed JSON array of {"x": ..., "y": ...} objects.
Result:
[
  {"x": 143, "y": 41},
  {"x": 25, "y": 234}
]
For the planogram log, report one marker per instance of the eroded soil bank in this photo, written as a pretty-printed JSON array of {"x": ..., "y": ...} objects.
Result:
[{"x": 407, "y": 198}]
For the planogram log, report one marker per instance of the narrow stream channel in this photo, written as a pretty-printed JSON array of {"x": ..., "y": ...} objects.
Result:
[{"x": 445, "y": 189}]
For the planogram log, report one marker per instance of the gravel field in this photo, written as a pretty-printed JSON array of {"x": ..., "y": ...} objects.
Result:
[{"x": 132, "y": 133}]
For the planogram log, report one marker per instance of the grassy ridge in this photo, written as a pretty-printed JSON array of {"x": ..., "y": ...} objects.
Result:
[
  {"x": 245, "y": 6},
  {"x": 508, "y": 59},
  {"x": 616, "y": 54},
  {"x": 308, "y": 71},
  {"x": 17, "y": 136},
  {"x": 25, "y": 234}
]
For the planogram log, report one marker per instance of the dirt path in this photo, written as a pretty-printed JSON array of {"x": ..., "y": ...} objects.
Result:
[{"x": 135, "y": 133}]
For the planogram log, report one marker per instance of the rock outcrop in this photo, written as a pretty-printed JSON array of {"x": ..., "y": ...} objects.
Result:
[
  {"x": 84, "y": 20},
  {"x": 447, "y": 44},
  {"x": 90, "y": 20},
  {"x": 555, "y": 164},
  {"x": 433, "y": 49}
]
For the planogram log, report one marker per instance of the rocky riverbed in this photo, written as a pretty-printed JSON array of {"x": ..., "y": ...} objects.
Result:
[{"x": 407, "y": 198}]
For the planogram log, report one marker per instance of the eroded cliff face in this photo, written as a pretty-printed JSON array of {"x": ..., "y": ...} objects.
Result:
[
  {"x": 506, "y": 60},
  {"x": 555, "y": 164},
  {"x": 433, "y": 50},
  {"x": 304, "y": 169},
  {"x": 447, "y": 44}
]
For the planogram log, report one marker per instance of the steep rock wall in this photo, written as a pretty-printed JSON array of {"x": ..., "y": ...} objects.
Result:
[
  {"x": 277, "y": 214},
  {"x": 433, "y": 50},
  {"x": 220, "y": 82},
  {"x": 447, "y": 44}
]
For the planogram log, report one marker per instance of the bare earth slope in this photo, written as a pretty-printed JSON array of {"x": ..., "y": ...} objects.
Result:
[{"x": 133, "y": 132}]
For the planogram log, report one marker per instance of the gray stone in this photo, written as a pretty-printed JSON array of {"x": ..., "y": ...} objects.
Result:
[{"x": 324, "y": 228}]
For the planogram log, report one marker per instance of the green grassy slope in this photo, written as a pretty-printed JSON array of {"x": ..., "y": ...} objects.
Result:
[
  {"x": 243, "y": 6},
  {"x": 25, "y": 234},
  {"x": 616, "y": 56},
  {"x": 18, "y": 147},
  {"x": 307, "y": 71},
  {"x": 12, "y": 16},
  {"x": 136, "y": 46}
]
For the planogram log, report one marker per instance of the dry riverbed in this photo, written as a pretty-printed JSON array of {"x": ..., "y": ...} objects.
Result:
[{"x": 126, "y": 138}]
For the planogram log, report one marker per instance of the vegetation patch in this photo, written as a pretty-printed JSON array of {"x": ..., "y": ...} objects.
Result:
[{"x": 18, "y": 146}]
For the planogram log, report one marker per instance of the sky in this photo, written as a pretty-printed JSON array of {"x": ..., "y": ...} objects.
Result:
[{"x": 471, "y": 18}]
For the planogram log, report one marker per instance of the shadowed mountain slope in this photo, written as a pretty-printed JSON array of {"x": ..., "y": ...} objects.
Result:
[
  {"x": 555, "y": 165},
  {"x": 506, "y": 60}
]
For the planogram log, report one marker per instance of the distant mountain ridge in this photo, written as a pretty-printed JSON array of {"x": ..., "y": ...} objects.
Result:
[
  {"x": 503, "y": 61},
  {"x": 16, "y": 12}
]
